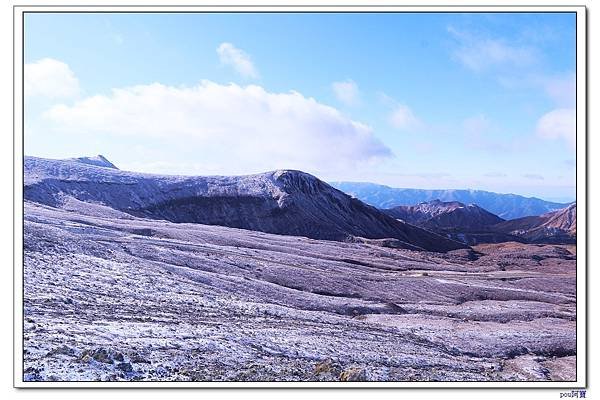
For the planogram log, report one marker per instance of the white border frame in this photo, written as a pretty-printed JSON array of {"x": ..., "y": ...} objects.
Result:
[{"x": 581, "y": 182}]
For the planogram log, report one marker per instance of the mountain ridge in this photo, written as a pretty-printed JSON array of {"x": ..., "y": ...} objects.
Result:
[{"x": 287, "y": 202}]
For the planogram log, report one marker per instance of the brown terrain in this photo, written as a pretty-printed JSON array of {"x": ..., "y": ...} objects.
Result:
[
  {"x": 471, "y": 224},
  {"x": 554, "y": 227}
]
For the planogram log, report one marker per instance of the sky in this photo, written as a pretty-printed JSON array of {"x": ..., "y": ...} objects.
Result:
[{"x": 422, "y": 100}]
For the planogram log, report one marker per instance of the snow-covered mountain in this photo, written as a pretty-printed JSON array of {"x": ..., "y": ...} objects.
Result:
[
  {"x": 99, "y": 161},
  {"x": 439, "y": 214},
  {"x": 284, "y": 202},
  {"x": 506, "y": 206},
  {"x": 466, "y": 223}
]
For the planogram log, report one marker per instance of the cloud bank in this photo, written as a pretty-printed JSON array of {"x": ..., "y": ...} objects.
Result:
[{"x": 246, "y": 126}]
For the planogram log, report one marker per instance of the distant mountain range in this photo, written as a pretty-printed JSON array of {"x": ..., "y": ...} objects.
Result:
[
  {"x": 506, "y": 206},
  {"x": 284, "y": 202}
]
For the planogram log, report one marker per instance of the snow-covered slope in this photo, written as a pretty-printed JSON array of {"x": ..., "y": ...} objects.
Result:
[
  {"x": 284, "y": 202},
  {"x": 132, "y": 299}
]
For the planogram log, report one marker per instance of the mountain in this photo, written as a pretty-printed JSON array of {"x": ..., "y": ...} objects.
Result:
[
  {"x": 284, "y": 202},
  {"x": 554, "y": 227},
  {"x": 506, "y": 206},
  {"x": 469, "y": 224},
  {"x": 439, "y": 214},
  {"x": 99, "y": 161}
]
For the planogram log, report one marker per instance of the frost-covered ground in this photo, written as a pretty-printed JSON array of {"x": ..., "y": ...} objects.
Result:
[{"x": 112, "y": 297}]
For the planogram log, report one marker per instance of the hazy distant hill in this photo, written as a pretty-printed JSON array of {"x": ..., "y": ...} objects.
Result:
[
  {"x": 285, "y": 202},
  {"x": 506, "y": 206}
]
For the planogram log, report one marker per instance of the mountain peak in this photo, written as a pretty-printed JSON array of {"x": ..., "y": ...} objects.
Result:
[
  {"x": 98, "y": 161},
  {"x": 443, "y": 204},
  {"x": 290, "y": 180},
  {"x": 442, "y": 215}
]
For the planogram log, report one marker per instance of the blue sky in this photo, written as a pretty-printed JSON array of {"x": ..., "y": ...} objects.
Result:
[{"x": 482, "y": 101}]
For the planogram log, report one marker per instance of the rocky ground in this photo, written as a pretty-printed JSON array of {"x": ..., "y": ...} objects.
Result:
[{"x": 108, "y": 296}]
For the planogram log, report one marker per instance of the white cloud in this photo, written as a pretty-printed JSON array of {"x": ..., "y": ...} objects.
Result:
[
  {"x": 403, "y": 118},
  {"x": 561, "y": 89},
  {"x": 477, "y": 125},
  {"x": 482, "y": 134},
  {"x": 558, "y": 88},
  {"x": 238, "y": 59},
  {"x": 347, "y": 92},
  {"x": 247, "y": 127},
  {"x": 478, "y": 53},
  {"x": 51, "y": 79},
  {"x": 558, "y": 124}
]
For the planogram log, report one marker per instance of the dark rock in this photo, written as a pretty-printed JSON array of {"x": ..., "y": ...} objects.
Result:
[
  {"x": 125, "y": 367},
  {"x": 138, "y": 359},
  {"x": 353, "y": 374},
  {"x": 102, "y": 355},
  {"x": 63, "y": 350}
]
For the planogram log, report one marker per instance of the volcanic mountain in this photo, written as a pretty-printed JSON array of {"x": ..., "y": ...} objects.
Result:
[
  {"x": 554, "y": 227},
  {"x": 285, "y": 202},
  {"x": 469, "y": 224},
  {"x": 439, "y": 214}
]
